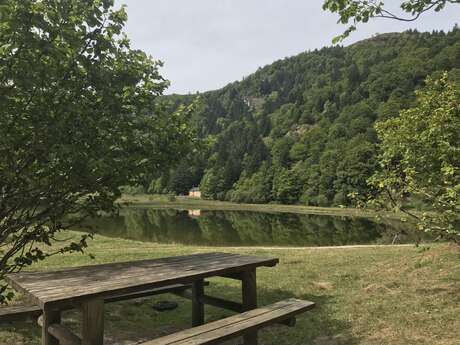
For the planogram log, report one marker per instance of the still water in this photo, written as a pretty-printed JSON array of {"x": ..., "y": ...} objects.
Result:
[{"x": 244, "y": 228}]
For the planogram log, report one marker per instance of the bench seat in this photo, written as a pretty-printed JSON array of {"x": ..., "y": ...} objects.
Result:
[
  {"x": 19, "y": 312},
  {"x": 25, "y": 312},
  {"x": 219, "y": 331}
]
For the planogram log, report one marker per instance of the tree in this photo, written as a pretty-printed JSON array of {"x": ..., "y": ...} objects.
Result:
[
  {"x": 255, "y": 188},
  {"x": 360, "y": 11},
  {"x": 78, "y": 119},
  {"x": 287, "y": 186},
  {"x": 420, "y": 158},
  {"x": 212, "y": 184}
]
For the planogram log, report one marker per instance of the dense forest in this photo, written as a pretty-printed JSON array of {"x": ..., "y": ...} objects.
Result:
[{"x": 301, "y": 130}]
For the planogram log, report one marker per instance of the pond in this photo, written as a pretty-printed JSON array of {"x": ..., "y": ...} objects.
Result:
[{"x": 248, "y": 228}]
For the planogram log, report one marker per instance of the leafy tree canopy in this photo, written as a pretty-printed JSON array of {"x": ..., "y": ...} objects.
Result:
[
  {"x": 361, "y": 11},
  {"x": 420, "y": 157},
  {"x": 78, "y": 119}
]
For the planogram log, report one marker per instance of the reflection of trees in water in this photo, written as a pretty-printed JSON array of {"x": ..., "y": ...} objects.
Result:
[
  {"x": 246, "y": 228},
  {"x": 354, "y": 230},
  {"x": 135, "y": 224},
  {"x": 157, "y": 225},
  {"x": 172, "y": 226},
  {"x": 294, "y": 229},
  {"x": 401, "y": 232},
  {"x": 110, "y": 226},
  {"x": 217, "y": 230},
  {"x": 163, "y": 226},
  {"x": 251, "y": 227}
]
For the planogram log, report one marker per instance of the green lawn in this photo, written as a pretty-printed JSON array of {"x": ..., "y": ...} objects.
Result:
[{"x": 384, "y": 295}]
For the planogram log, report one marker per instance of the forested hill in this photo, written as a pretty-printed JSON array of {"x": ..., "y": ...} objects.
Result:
[{"x": 301, "y": 129}]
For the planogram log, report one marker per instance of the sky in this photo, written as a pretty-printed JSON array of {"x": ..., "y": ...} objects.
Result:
[{"x": 205, "y": 44}]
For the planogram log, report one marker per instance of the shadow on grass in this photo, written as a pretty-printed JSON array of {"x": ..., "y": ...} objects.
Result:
[
  {"x": 135, "y": 321},
  {"x": 317, "y": 326},
  {"x": 20, "y": 333}
]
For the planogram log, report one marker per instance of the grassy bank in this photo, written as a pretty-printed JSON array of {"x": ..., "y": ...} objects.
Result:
[
  {"x": 379, "y": 295},
  {"x": 186, "y": 203}
]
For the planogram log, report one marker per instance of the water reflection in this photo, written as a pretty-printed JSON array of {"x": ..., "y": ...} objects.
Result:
[
  {"x": 239, "y": 228},
  {"x": 194, "y": 213}
]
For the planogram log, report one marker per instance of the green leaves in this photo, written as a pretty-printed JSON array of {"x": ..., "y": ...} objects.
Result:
[
  {"x": 420, "y": 157},
  {"x": 361, "y": 11},
  {"x": 79, "y": 117}
]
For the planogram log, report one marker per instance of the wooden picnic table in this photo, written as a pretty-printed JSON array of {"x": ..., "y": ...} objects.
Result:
[{"x": 87, "y": 287}]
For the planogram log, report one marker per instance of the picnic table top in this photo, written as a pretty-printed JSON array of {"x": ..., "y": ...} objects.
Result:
[{"x": 73, "y": 285}]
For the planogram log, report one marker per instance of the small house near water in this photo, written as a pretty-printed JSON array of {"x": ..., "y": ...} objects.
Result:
[{"x": 194, "y": 193}]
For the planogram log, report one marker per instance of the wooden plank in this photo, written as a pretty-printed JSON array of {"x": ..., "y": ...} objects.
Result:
[
  {"x": 49, "y": 317},
  {"x": 152, "y": 292},
  {"x": 197, "y": 303},
  {"x": 19, "y": 312},
  {"x": 75, "y": 275},
  {"x": 214, "y": 301},
  {"x": 62, "y": 333},
  {"x": 225, "y": 304},
  {"x": 235, "y": 276},
  {"x": 134, "y": 285},
  {"x": 65, "y": 336},
  {"x": 234, "y": 326},
  {"x": 25, "y": 312},
  {"x": 93, "y": 322},
  {"x": 222, "y": 303},
  {"x": 109, "y": 280},
  {"x": 228, "y": 305},
  {"x": 249, "y": 292},
  {"x": 132, "y": 274}
]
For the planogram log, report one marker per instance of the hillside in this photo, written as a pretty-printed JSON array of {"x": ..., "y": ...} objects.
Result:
[{"x": 301, "y": 129}]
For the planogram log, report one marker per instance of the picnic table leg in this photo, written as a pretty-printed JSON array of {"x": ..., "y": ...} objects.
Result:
[
  {"x": 197, "y": 304},
  {"x": 50, "y": 317},
  {"x": 249, "y": 287},
  {"x": 93, "y": 322}
]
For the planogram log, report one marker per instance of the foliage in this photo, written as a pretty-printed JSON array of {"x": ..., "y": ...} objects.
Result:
[
  {"x": 256, "y": 188},
  {"x": 78, "y": 119},
  {"x": 301, "y": 130},
  {"x": 360, "y": 11},
  {"x": 420, "y": 157}
]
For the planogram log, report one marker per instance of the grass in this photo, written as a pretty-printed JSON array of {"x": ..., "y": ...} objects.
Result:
[
  {"x": 384, "y": 295},
  {"x": 186, "y": 203}
]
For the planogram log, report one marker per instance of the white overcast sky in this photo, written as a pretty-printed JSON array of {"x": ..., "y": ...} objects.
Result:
[{"x": 206, "y": 44}]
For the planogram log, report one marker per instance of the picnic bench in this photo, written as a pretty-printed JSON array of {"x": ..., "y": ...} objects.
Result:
[{"x": 88, "y": 288}]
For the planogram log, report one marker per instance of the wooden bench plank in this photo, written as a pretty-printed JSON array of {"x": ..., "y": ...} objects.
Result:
[
  {"x": 176, "y": 288},
  {"x": 62, "y": 333},
  {"x": 234, "y": 326},
  {"x": 24, "y": 312},
  {"x": 19, "y": 312}
]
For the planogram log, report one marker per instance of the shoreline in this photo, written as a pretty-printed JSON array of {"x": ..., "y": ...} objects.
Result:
[{"x": 187, "y": 203}]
